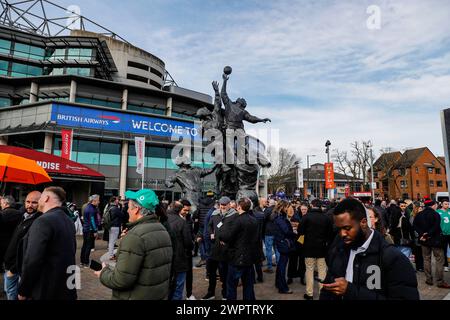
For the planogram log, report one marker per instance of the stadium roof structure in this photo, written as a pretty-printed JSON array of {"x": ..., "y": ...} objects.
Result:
[{"x": 45, "y": 18}]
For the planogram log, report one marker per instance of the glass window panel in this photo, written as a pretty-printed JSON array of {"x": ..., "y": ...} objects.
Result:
[
  {"x": 132, "y": 161},
  {"x": 157, "y": 163},
  {"x": 21, "y": 50},
  {"x": 57, "y": 71},
  {"x": 73, "y": 71},
  {"x": 73, "y": 53},
  {"x": 110, "y": 148},
  {"x": 19, "y": 68},
  {"x": 5, "y": 102},
  {"x": 88, "y": 157},
  {"x": 35, "y": 71},
  {"x": 170, "y": 164},
  {"x": 5, "y": 44},
  {"x": 89, "y": 146},
  {"x": 116, "y": 105},
  {"x": 4, "y": 65},
  {"x": 156, "y": 152},
  {"x": 84, "y": 72},
  {"x": 86, "y": 53},
  {"x": 109, "y": 159}
]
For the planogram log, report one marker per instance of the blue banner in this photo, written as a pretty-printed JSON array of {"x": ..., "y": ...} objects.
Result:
[{"x": 81, "y": 117}]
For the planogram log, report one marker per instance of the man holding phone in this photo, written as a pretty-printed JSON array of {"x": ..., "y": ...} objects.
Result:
[
  {"x": 144, "y": 255},
  {"x": 362, "y": 265}
]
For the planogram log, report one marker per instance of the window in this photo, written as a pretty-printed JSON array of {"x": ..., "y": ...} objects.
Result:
[
  {"x": 138, "y": 65},
  {"x": 28, "y": 52},
  {"x": 430, "y": 170},
  {"x": 5, "y": 46},
  {"x": 155, "y": 84},
  {"x": 154, "y": 71},
  {"x": 98, "y": 102},
  {"x": 375, "y": 174},
  {"x": 137, "y": 78},
  {"x": 79, "y": 71},
  {"x": 5, "y": 102},
  {"x": 4, "y": 67},
  {"x": 405, "y": 196},
  {"x": 439, "y": 183},
  {"x": 87, "y": 151},
  {"x": 110, "y": 154},
  {"x": 438, "y": 170},
  {"x": 146, "y": 109},
  {"x": 24, "y": 70},
  {"x": 403, "y": 184},
  {"x": 402, "y": 171},
  {"x": 417, "y": 169},
  {"x": 417, "y": 183},
  {"x": 183, "y": 116},
  {"x": 431, "y": 183}
]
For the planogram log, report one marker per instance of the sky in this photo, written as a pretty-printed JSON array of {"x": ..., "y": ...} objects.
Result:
[{"x": 321, "y": 70}]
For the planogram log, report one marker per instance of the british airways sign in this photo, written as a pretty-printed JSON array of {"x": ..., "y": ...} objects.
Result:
[{"x": 81, "y": 117}]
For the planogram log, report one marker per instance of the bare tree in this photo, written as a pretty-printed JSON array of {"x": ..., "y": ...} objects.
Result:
[
  {"x": 361, "y": 154},
  {"x": 283, "y": 162},
  {"x": 340, "y": 160}
]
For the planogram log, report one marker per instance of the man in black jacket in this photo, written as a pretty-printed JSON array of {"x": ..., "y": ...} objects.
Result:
[
  {"x": 244, "y": 246},
  {"x": 269, "y": 236},
  {"x": 428, "y": 226},
  {"x": 116, "y": 219},
  {"x": 49, "y": 252},
  {"x": 182, "y": 247},
  {"x": 221, "y": 219},
  {"x": 13, "y": 256},
  {"x": 9, "y": 220},
  {"x": 401, "y": 229},
  {"x": 318, "y": 231},
  {"x": 205, "y": 204},
  {"x": 362, "y": 265}
]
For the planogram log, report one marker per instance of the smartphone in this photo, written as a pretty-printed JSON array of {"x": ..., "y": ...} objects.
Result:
[
  {"x": 96, "y": 266},
  {"x": 319, "y": 280}
]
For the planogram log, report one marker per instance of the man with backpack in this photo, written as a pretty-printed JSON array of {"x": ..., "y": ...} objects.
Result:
[{"x": 112, "y": 220}]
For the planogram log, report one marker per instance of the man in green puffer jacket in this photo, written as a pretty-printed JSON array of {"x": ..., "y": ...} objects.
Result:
[{"x": 144, "y": 255}]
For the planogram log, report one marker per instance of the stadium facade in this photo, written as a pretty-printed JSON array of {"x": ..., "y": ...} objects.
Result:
[{"x": 105, "y": 89}]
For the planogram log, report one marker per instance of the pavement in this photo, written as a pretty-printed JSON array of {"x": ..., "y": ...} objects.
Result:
[{"x": 92, "y": 289}]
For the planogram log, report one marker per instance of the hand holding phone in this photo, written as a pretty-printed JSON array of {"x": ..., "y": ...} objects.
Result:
[{"x": 96, "y": 266}]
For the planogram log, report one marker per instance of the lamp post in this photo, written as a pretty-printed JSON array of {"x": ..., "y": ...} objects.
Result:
[{"x": 307, "y": 164}]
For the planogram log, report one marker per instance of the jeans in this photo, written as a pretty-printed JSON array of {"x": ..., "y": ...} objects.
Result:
[
  {"x": 280, "y": 276},
  {"x": 11, "y": 285},
  {"x": 439, "y": 256},
  {"x": 407, "y": 251},
  {"x": 322, "y": 270},
  {"x": 113, "y": 236},
  {"x": 177, "y": 294},
  {"x": 269, "y": 244},
  {"x": 88, "y": 244},
  {"x": 248, "y": 279}
]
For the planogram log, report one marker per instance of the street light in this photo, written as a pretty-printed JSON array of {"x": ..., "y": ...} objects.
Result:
[{"x": 307, "y": 164}]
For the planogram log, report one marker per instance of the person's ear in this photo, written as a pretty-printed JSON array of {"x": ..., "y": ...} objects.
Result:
[{"x": 364, "y": 224}]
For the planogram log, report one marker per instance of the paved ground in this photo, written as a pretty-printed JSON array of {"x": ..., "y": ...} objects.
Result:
[{"x": 91, "y": 289}]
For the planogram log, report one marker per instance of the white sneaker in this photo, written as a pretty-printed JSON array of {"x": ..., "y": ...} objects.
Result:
[
  {"x": 192, "y": 297},
  {"x": 446, "y": 269}
]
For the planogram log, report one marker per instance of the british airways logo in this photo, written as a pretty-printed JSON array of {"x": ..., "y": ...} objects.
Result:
[{"x": 113, "y": 119}]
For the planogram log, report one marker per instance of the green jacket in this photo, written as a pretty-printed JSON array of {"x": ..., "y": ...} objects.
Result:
[
  {"x": 445, "y": 221},
  {"x": 143, "y": 264}
]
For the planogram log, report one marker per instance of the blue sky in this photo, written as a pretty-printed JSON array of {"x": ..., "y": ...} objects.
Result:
[{"x": 312, "y": 66}]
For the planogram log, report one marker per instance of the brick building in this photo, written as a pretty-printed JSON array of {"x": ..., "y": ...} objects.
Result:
[{"x": 412, "y": 175}]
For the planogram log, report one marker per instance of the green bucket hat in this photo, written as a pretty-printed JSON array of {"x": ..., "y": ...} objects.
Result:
[{"x": 145, "y": 197}]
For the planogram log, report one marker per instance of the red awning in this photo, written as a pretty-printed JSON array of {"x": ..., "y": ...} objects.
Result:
[{"x": 54, "y": 165}]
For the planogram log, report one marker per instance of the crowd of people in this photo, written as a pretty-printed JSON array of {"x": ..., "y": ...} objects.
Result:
[{"x": 344, "y": 248}]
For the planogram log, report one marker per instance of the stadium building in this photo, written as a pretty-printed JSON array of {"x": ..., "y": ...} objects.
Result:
[{"x": 96, "y": 83}]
